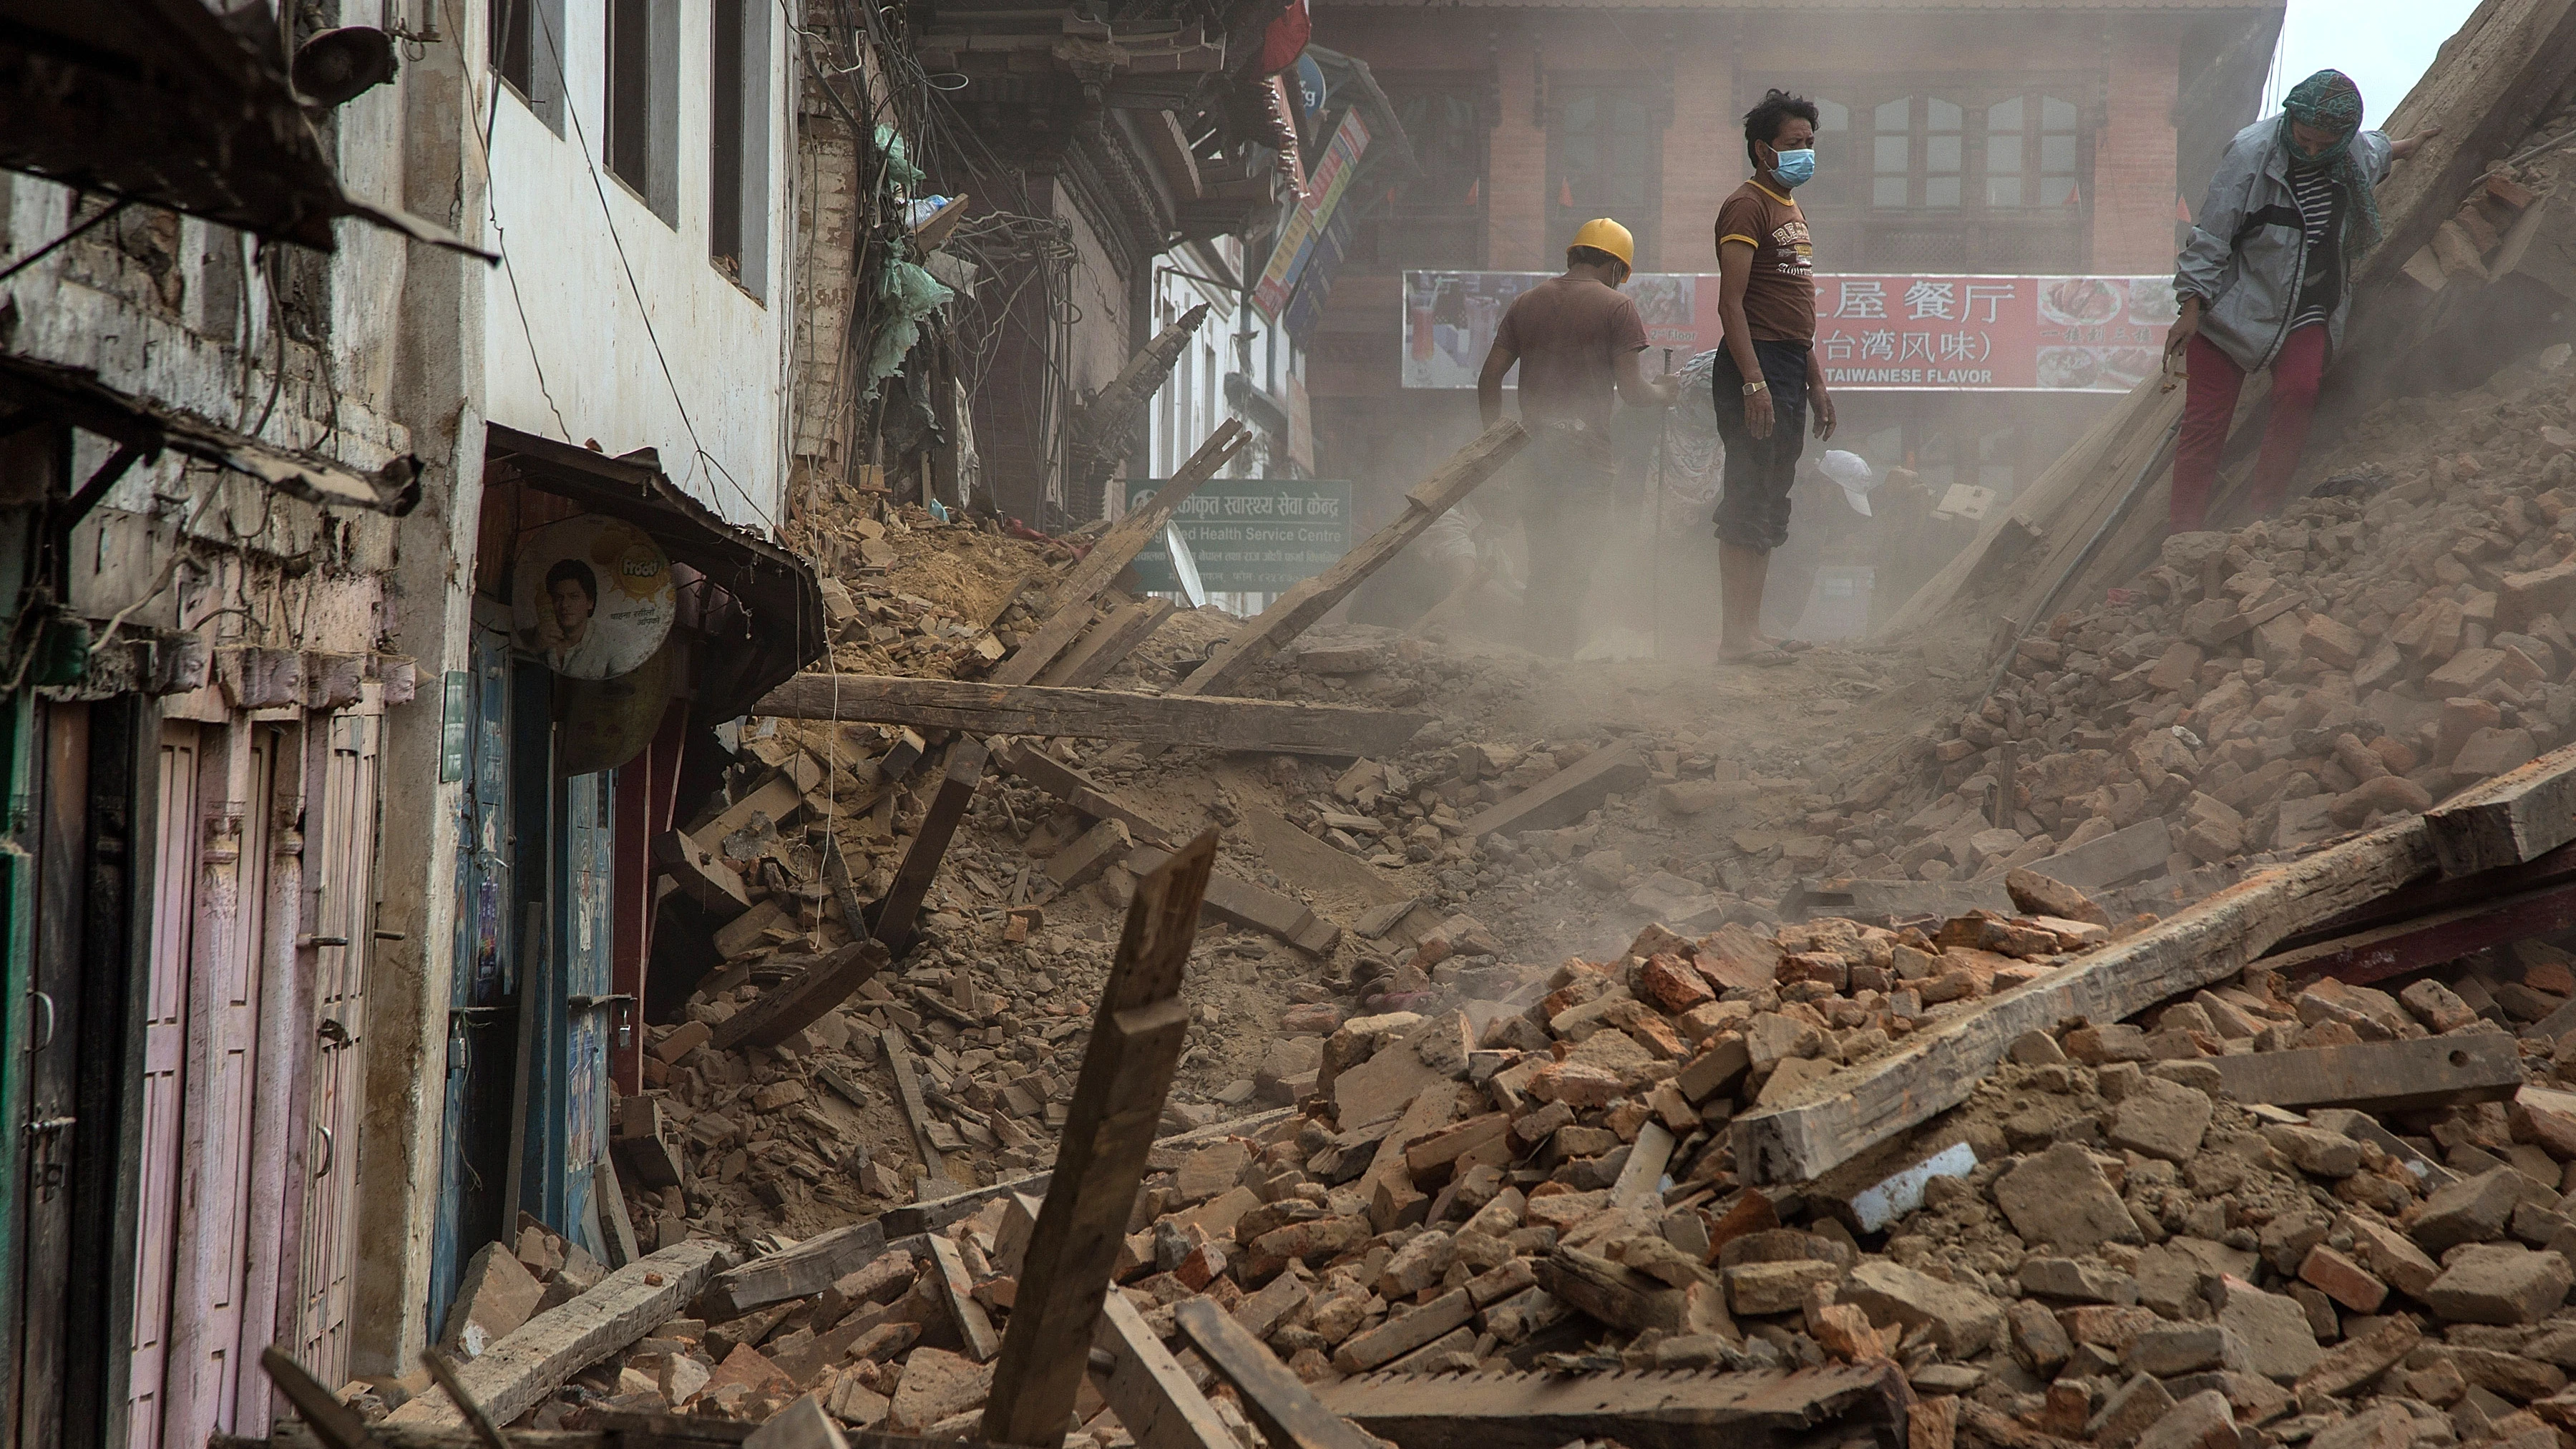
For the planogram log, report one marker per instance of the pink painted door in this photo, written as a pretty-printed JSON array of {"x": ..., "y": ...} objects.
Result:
[
  {"x": 213, "y": 951},
  {"x": 342, "y": 912},
  {"x": 164, "y": 1044}
]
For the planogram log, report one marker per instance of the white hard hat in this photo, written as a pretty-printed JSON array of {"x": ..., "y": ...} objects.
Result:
[{"x": 1853, "y": 473}]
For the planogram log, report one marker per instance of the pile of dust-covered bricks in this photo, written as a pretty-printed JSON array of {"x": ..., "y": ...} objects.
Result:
[
  {"x": 1544, "y": 1181},
  {"x": 2407, "y": 631}
]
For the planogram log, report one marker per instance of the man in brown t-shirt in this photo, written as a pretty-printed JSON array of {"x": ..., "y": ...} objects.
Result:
[
  {"x": 1577, "y": 339},
  {"x": 1767, "y": 375}
]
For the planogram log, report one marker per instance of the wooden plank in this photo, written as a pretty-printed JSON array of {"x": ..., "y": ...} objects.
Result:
[
  {"x": 1297, "y": 610},
  {"x": 935, "y": 1180},
  {"x": 2437, "y": 894},
  {"x": 932, "y": 1214},
  {"x": 1136, "y": 1040},
  {"x": 520, "y": 1371},
  {"x": 442, "y": 1371},
  {"x": 797, "y": 1003},
  {"x": 611, "y": 1196},
  {"x": 1851, "y": 1111},
  {"x": 2382, "y": 1076},
  {"x": 1264, "y": 725},
  {"x": 1156, "y": 1401},
  {"x": 751, "y": 928},
  {"x": 1277, "y": 1401},
  {"x": 777, "y": 797},
  {"x": 948, "y": 1270},
  {"x": 1640, "y": 1410},
  {"x": 2393, "y": 950},
  {"x": 1242, "y": 903},
  {"x": 1566, "y": 796},
  {"x": 1107, "y": 644},
  {"x": 1028, "y": 762},
  {"x": 1110, "y": 557},
  {"x": 700, "y": 876},
  {"x": 2517, "y": 816},
  {"x": 807, "y": 1268},
  {"x": 902, "y": 904}
]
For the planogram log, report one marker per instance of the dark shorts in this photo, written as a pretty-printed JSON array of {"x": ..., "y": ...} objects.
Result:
[{"x": 1753, "y": 512}]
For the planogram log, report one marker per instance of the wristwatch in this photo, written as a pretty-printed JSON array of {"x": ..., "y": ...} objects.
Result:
[{"x": 1757, "y": 385}]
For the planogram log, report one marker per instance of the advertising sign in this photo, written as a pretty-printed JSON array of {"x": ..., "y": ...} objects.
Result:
[
  {"x": 592, "y": 595},
  {"x": 1250, "y": 535},
  {"x": 1873, "y": 333},
  {"x": 1324, "y": 187}
]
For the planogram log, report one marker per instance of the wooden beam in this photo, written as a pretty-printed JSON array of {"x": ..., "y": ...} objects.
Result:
[
  {"x": 2383, "y": 1076},
  {"x": 2517, "y": 816},
  {"x": 1156, "y": 1402},
  {"x": 1136, "y": 1041},
  {"x": 797, "y": 1003},
  {"x": 1105, "y": 645},
  {"x": 443, "y": 1372},
  {"x": 932, "y": 1214},
  {"x": 1277, "y": 1401},
  {"x": 517, "y": 1373},
  {"x": 1242, "y": 903},
  {"x": 1028, "y": 762},
  {"x": 1641, "y": 1410},
  {"x": 807, "y": 1268},
  {"x": 2393, "y": 950},
  {"x": 1297, "y": 610},
  {"x": 902, "y": 904},
  {"x": 916, "y": 1114},
  {"x": 1851, "y": 1111},
  {"x": 700, "y": 876},
  {"x": 948, "y": 1271},
  {"x": 1109, "y": 557},
  {"x": 777, "y": 797},
  {"x": 1268, "y": 726},
  {"x": 1566, "y": 796}
]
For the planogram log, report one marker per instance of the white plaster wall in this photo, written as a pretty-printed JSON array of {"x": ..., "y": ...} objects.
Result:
[{"x": 584, "y": 327}]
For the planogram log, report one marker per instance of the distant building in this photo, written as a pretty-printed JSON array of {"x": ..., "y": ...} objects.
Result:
[{"x": 1958, "y": 138}]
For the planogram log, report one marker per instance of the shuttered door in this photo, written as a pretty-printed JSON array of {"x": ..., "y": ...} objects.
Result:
[
  {"x": 174, "y": 876},
  {"x": 342, "y": 915}
]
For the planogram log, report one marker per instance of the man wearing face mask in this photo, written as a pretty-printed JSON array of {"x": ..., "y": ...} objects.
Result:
[
  {"x": 1767, "y": 376},
  {"x": 2265, "y": 279}
]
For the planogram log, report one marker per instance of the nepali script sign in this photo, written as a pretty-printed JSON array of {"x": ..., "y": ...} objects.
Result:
[
  {"x": 1250, "y": 535},
  {"x": 1891, "y": 333}
]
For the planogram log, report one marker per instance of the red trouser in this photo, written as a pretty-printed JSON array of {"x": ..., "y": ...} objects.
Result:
[{"x": 2211, "y": 406}]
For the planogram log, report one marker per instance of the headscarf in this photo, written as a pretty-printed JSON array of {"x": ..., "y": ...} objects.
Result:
[{"x": 2330, "y": 101}]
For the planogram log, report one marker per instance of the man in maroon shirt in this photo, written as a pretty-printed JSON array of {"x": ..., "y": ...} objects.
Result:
[{"x": 1577, "y": 339}]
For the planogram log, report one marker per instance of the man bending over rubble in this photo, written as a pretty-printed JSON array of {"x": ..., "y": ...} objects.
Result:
[
  {"x": 1576, "y": 338},
  {"x": 2265, "y": 279}
]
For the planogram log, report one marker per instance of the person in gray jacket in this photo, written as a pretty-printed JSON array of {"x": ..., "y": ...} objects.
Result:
[{"x": 2265, "y": 279}]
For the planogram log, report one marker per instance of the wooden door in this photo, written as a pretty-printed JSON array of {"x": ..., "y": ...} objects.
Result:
[
  {"x": 482, "y": 1027},
  {"x": 219, "y": 957},
  {"x": 165, "y": 1028},
  {"x": 46, "y": 1152},
  {"x": 342, "y": 913}
]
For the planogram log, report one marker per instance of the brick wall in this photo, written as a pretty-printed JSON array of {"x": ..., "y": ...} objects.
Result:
[
  {"x": 2133, "y": 159},
  {"x": 1516, "y": 172}
]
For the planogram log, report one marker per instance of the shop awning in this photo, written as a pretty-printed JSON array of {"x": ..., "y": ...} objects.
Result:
[
  {"x": 165, "y": 103},
  {"x": 33, "y": 390},
  {"x": 775, "y": 588}
]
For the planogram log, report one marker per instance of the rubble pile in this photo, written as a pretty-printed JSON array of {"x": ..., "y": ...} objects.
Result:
[
  {"x": 2099, "y": 1246},
  {"x": 2398, "y": 636}
]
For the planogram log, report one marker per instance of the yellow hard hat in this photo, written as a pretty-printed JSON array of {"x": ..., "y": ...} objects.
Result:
[{"x": 1604, "y": 235}]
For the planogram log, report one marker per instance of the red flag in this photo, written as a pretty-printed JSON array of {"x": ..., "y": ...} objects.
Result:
[{"x": 1565, "y": 193}]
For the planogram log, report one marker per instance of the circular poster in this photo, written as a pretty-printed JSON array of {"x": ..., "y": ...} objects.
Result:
[{"x": 591, "y": 596}]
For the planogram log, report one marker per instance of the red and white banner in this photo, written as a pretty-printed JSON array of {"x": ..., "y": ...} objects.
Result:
[{"x": 1888, "y": 333}]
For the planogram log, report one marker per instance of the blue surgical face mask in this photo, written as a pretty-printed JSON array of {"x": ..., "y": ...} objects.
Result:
[{"x": 1796, "y": 168}]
